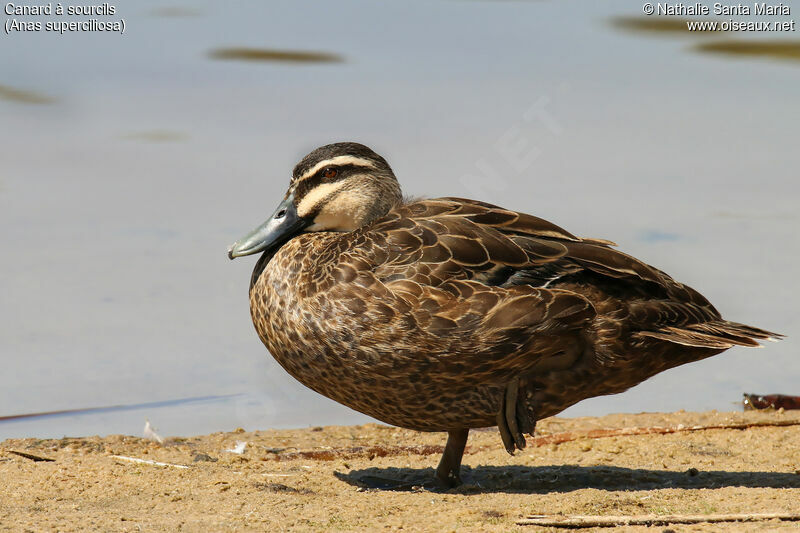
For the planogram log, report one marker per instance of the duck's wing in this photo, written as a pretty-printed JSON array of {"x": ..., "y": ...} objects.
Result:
[
  {"x": 478, "y": 251},
  {"x": 452, "y": 238}
]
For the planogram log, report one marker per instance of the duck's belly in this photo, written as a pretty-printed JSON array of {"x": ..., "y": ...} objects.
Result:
[
  {"x": 327, "y": 346},
  {"x": 410, "y": 403},
  {"x": 380, "y": 384}
]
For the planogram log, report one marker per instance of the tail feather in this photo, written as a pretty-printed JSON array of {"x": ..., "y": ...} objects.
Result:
[{"x": 718, "y": 334}]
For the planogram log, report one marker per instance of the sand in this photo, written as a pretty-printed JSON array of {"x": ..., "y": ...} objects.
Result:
[{"x": 316, "y": 479}]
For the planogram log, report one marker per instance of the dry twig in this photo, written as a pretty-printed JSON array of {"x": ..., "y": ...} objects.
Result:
[
  {"x": 30, "y": 456},
  {"x": 147, "y": 461},
  {"x": 583, "y": 521},
  {"x": 566, "y": 436}
]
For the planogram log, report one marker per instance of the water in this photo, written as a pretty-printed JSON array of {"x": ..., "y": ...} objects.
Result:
[{"x": 130, "y": 162}]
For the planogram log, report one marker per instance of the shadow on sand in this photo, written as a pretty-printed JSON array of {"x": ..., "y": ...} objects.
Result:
[{"x": 567, "y": 478}]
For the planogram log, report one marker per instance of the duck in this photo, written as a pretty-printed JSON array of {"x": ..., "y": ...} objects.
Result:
[{"x": 449, "y": 314}]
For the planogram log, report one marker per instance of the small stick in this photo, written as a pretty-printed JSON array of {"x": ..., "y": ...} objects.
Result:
[
  {"x": 567, "y": 436},
  {"x": 30, "y": 456},
  {"x": 147, "y": 461},
  {"x": 583, "y": 521}
]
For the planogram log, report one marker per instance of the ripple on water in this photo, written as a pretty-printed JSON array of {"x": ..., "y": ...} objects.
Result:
[
  {"x": 23, "y": 96},
  {"x": 776, "y": 49},
  {"x": 663, "y": 26},
  {"x": 274, "y": 56}
]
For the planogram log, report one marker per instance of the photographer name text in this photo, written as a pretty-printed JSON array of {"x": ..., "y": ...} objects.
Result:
[{"x": 719, "y": 8}]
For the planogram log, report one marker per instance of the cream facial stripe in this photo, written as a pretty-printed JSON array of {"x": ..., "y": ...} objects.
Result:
[
  {"x": 338, "y": 160},
  {"x": 316, "y": 195}
]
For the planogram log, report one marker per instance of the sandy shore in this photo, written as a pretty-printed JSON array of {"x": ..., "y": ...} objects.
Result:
[{"x": 319, "y": 479}]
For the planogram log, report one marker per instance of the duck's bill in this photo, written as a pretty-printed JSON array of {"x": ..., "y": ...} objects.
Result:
[{"x": 279, "y": 228}]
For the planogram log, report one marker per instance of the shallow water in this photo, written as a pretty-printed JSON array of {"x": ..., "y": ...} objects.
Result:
[{"x": 119, "y": 197}]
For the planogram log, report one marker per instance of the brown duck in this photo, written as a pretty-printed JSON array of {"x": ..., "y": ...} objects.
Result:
[{"x": 449, "y": 314}]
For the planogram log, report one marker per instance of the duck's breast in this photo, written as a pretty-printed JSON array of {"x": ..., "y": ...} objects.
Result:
[{"x": 344, "y": 335}]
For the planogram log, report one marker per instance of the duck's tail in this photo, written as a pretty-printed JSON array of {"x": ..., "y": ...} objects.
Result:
[{"x": 717, "y": 334}]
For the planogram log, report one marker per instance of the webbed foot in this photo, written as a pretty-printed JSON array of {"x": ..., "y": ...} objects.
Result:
[{"x": 514, "y": 419}]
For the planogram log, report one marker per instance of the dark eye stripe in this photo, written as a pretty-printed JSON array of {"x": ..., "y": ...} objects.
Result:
[
  {"x": 311, "y": 182},
  {"x": 341, "y": 167},
  {"x": 302, "y": 187},
  {"x": 342, "y": 170}
]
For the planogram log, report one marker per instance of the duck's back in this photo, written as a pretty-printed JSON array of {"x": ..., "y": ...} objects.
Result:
[{"x": 422, "y": 318}]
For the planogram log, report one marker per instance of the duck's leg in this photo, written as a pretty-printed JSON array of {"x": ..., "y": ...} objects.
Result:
[
  {"x": 513, "y": 420},
  {"x": 448, "y": 471}
]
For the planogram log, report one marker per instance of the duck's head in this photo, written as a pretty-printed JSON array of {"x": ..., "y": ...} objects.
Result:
[{"x": 337, "y": 187}]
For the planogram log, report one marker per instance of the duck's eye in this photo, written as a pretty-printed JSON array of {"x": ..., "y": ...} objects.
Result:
[{"x": 330, "y": 173}]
